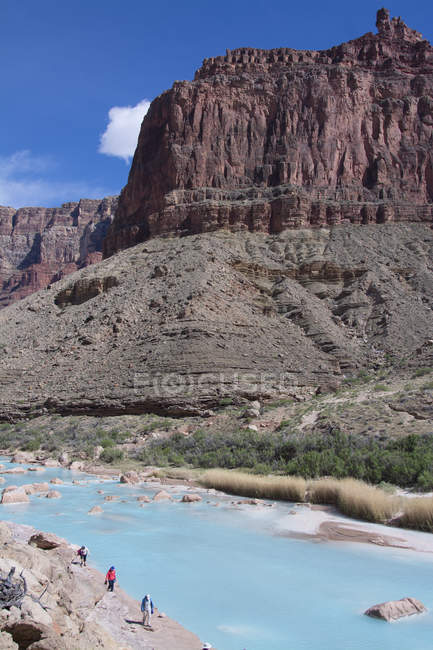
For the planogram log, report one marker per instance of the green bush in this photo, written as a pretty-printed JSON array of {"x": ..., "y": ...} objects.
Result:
[
  {"x": 107, "y": 442},
  {"x": 32, "y": 445},
  {"x": 420, "y": 372},
  {"x": 406, "y": 462},
  {"x": 111, "y": 455}
]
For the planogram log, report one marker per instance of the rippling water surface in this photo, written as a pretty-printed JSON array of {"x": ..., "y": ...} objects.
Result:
[{"x": 223, "y": 573}]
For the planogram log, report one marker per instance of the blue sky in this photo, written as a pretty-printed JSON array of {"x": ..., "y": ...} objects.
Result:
[{"x": 66, "y": 64}]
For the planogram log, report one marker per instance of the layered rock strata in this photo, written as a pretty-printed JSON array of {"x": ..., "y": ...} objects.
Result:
[
  {"x": 265, "y": 140},
  {"x": 176, "y": 325},
  {"x": 39, "y": 246}
]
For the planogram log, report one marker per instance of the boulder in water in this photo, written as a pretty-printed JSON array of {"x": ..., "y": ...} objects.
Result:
[
  {"x": 14, "y": 496},
  {"x": 190, "y": 498},
  {"x": 162, "y": 495},
  {"x": 53, "y": 494},
  {"x": 96, "y": 510},
  {"x": 394, "y": 609},
  {"x": 41, "y": 487}
]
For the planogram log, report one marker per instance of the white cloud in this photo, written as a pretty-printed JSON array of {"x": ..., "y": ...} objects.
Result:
[
  {"x": 24, "y": 182},
  {"x": 120, "y": 137}
]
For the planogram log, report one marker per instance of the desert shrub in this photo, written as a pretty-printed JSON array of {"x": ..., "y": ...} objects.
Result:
[
  {"x": 33, "y": 444},
  {"x": 107, "y": 442},
  {"x": 421, "y": 372},
  {"x": 407, "y": 461},
  {"x": 381, "y": 387},
  {"x": 111, "y": 455}
]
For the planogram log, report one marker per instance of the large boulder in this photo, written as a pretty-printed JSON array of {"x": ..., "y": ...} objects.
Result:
[
  {"x": 143, "y": 498},
  {"x": 162, "y": 495},
  {"x": 14, "y": 496},
  {"x": 76, "y": 466},
  {"x": 28, "y": 488},
  {"x": 64, "y": 458},
  {"x": 111, "y": 497},
  {"x": 190, "y": 498},
  {"x": 51, "y": 462},
  {"x": 96, "y": 510},
  {"x": 23, "y": 457},
  {"x": 41, "y": 487},
  {"x": 394, "y": 609},
  {"x": 56, "y": 481},
  {"x": 97, "y": 451},
  {"x": 53, "y": 494},
  {"x": 46, "y": 541},
  {"x": 253, "y": 410},
  {"x": 129, "y": 477}
]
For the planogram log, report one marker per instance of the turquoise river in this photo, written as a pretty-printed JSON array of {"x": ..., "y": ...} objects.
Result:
[{"x": 228, "y": 573}]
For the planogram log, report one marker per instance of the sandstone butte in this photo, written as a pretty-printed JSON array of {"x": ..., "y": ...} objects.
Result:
[
  {"x": 265, "y": 140},
  {"x": 39, "y": 246}
]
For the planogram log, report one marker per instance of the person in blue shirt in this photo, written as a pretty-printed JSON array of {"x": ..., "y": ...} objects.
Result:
[{"x": 147, "y": 609}]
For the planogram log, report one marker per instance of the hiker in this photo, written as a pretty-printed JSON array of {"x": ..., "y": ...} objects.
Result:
[
  {"x": 110, "y": 578},
  {"x": 147, "y": 609},
  {"x": 83, "y": 552}
]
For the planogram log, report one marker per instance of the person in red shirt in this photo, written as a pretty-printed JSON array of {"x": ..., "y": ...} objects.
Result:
[{"x": 110, "y": 578}]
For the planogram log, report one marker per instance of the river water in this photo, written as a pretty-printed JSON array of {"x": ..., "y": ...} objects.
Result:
[{"x": 225, "y": 574}]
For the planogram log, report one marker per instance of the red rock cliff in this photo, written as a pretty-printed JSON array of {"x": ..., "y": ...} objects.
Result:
[
  {"x": 41, "y": 245},
  {"x": 274, "y": 139}
]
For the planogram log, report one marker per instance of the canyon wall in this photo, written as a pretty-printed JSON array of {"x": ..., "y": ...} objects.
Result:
[
  {"x": 39, "y": 246},
  {"x": 265, "y": 140}
]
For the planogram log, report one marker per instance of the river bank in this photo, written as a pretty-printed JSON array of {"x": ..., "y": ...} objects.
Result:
[
  {"x": 75, "y": 610},
  {"x": 202, "y": 561}
]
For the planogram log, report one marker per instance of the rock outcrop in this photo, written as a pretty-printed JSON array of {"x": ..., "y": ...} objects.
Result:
[
  {"x": 14, "y": 496},
  {"x": 67, "y": 607},
  {"x": 265, "y": 140},
  {"x": 39, "y": 246},
  {"x": 195, "y": 320},
  {"x": 394, "y": 609}
]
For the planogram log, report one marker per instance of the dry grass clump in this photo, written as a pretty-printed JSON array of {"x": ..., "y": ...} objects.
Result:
[
  {"x": 324, "y": 491},
  {"x": 286, "y": 488},
  {"x": 417, "y": 513},
  {"x": 362, "y": 501},
  {"x": 180, "y": 473},
  {"x": 353, "y": 498}
]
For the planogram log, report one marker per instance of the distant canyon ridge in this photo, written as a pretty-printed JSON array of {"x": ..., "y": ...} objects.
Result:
[
  {"x": 39, "y": 246},
  {"x": 259, "y": 141}
]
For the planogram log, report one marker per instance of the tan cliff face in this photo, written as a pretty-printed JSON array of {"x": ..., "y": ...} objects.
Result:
[
  {"x": 39, "y": 246},
  {"x": 264, "y": 140}
]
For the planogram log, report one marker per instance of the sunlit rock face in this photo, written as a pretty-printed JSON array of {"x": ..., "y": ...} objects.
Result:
[
  {"x": 265, "y": 140},
  {"x": 39, "y": 246}
]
